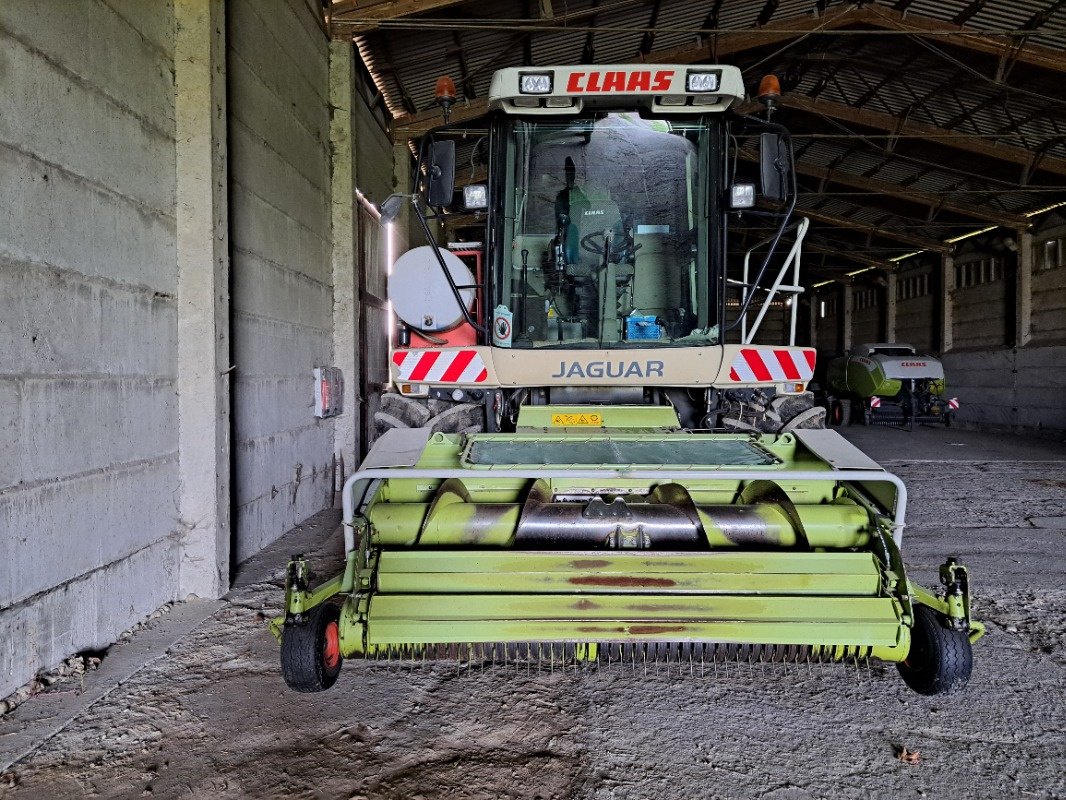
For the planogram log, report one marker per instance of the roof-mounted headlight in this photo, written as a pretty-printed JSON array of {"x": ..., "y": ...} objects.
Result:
[
  {"x": 535, "y": 83},
  {"x": 698, "y": 81}
]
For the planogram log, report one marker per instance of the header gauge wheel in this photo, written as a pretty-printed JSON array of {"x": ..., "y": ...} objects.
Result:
[
  {"x": 940, "y": 659},
  {"x": 310, "y": 650}
]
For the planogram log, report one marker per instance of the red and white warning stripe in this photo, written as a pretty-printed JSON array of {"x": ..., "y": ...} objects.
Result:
[
  {"x": 440, "y": 366},
  {"x": 875, "y": 402},
  {"x": 767, "y": 364},
  {"x": 953, "y": 403}
]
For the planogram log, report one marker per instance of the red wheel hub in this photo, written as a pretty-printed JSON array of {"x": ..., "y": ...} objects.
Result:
[{"x": 331, "y": 646}]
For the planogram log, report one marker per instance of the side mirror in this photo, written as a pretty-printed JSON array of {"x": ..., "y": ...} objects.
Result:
[
  {"x": 441, "y": 174},
  {"x": 775, "y": 166}
]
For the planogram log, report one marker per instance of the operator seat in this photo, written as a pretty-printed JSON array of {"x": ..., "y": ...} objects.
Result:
[{"x": 595, "y": 212}]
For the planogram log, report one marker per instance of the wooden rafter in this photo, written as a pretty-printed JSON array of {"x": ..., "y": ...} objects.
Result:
[
  {"x": 368, "y": 17},
  {"x": 847, "y": 255},
  {"x": 359, "y": 16},
  {"x": 967, "y": 38},
  {"x": 974, "y": 211},
  {"x": 885, "y": 232},
  {"x": 943, "y": 136}
]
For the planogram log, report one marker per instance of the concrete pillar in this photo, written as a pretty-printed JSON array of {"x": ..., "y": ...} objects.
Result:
[
  {"x": 890, "y": 307},
  {"x": 1024, "y": 315},
  {"x": 343, "y": 221},
  {"x": 404, "y": 233},
  {"x": 203, "y": 297},
  {"x": 847, "y": 302},
  {"x": 947, "y": 292}
]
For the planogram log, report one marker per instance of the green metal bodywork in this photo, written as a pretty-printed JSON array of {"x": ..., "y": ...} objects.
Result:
[
  {"x": 865, "y": 377},
  {"x": 793, "y": 553}
]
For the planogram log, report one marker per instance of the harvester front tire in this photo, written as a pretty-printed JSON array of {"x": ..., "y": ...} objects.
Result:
[
  {"x": 310, "y": 650},
  {"x": 940, "y": 659},
  {"x": 401, "y": 411},
  {"x": 760, "y": 413}
]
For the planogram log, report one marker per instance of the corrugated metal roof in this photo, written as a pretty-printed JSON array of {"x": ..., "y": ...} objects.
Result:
[{"x": 929, "y": 80}]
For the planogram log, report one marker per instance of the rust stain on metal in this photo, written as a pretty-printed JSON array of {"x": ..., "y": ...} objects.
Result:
[
  {"x": 648, "y": 630},
  {"x": 652, "y": 608},
  {"x": 591, "y": 563},
  {"x": 622, "y": 581}
]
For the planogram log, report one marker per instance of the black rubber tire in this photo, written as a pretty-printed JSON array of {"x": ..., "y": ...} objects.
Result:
[
  {"x": 840, "y": 413},
  {"x": 440, "y": 416},
  {"x": 940, "y": 659},
  {"x": 304, "y": 650}
]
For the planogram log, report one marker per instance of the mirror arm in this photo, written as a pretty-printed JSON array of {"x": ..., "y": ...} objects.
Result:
[
  {"x": 444, "y": 268},
  {"x": 784, "y": 220},
  {"x": 418, "y": 190}
]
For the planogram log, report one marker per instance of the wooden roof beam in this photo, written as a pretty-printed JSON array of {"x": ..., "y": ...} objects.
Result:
[
  {"x": 975, "y": 211},
  {"x": 847, "y": 255},
  {"x": 885, "y": 232},
  {"x": 967, "y": 38},
  {"x": 359, "y": 16},
  {"x": 943, "y": 136}
]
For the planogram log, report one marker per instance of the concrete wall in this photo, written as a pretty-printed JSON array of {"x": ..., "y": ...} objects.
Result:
[
  {"x": 1010, "y": 388},
  {"x": 92, "y": 538},
  {"x": 980, "y": 316},
  {"x": 1049, "y": 283},
  {"x": 278, "y": 65},
  {"x": 827, "y": 328},
  {"x": 916, "y": 313},
  {"x": 1005, "y": 376},
  {"x": 866, "y": 314},
  {"x": 88, "y": 431}
]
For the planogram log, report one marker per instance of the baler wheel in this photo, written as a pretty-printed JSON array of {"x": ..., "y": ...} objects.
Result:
[
  {"x": 310, "y": 650},
  {"x": 840, "y": 413},
  {"x": 940, "y": 659}
]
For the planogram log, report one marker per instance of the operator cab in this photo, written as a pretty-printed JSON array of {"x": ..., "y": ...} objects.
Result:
[{"x": 606, "y": 178}]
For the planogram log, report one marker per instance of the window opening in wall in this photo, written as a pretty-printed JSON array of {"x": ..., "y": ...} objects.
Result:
[
  {"x": 979, "y": 271},
  {"x": 912, "y": 286},
  {"x": 1050, "y": 254},
  {"x": 865, "y": 298},
  {"x": 829, "y": 307}
]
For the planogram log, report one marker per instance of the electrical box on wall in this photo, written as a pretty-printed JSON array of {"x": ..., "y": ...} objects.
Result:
[{"x": 329, "y": 391}]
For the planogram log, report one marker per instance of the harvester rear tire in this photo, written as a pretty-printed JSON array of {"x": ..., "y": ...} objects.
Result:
[
  {"x": 940, "y": 659},
  {"x": 310, "y": 650}
]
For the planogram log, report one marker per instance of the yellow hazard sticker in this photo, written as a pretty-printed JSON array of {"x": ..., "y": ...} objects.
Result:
[{"x": 574, "y": 420}]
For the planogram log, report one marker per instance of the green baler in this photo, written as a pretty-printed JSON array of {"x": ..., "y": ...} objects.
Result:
[
  {"x": 889, "y": 384},
  {"x": 631, "y": 542}
]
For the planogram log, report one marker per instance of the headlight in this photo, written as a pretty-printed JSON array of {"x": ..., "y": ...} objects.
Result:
[
  {"x": 742, "y": 195},
  {"x": 535, "y": 83},
  {"x": 476, "y": 196},
  {"x": 702, "y": 81}
]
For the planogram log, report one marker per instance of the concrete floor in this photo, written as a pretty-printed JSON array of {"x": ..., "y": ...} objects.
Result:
[{"x": 193, "y": 705}]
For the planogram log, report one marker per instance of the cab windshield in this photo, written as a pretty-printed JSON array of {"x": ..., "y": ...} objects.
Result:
[{"x": 602, "y": 242}]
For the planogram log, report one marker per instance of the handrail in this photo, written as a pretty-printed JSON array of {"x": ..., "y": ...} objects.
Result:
[{"x": 793, "y": 259}]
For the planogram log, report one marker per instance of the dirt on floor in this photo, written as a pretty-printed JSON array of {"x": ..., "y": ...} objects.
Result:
[{"x": 213, "y": 719}]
